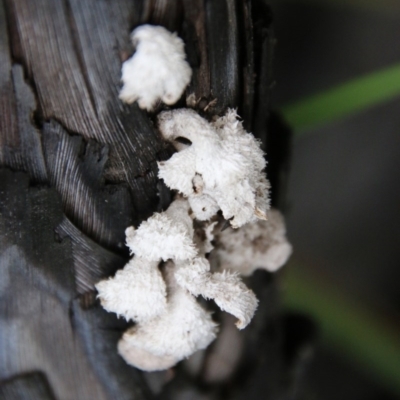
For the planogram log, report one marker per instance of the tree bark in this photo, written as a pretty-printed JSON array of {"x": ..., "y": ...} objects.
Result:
[{"x": 78, "y": 166}]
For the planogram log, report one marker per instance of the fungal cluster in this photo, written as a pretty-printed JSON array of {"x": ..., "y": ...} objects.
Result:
[{"x": 219, "y": 172}]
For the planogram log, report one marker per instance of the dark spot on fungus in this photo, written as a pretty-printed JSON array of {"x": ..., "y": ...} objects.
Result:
[{"x": 183, "y": 140}]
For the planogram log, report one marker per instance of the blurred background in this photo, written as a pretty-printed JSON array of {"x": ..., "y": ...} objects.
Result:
[{"x": 337, "y": 70}]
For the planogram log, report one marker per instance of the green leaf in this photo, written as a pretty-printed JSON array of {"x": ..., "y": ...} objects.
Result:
[{"x": 344, "y": 100}]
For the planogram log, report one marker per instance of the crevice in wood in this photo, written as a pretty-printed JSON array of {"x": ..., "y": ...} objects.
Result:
[
  {"x": 264, "y": 44},
  {"x": 246, "y": 69},
  {"x": 194, "y": 35},
  {"x": 30, "y": 140},
  {"x": 221, "y": 19},
  {"x": 71, "y": 316}
]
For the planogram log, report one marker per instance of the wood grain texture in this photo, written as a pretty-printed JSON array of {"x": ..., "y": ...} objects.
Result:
[
  {"x": 92, "y": 262},
  {"x": 89, "y": 167},
  {"x": 41, "y": 318},
  {"x": 8, "y": 120},
  {"x": 195, "y": 36},
  {"x": 20, "y": 146},
  {"x": 72, "y": 52},
  {"x": 223, "y": 48},
  {"x": 76, "y": 170}
]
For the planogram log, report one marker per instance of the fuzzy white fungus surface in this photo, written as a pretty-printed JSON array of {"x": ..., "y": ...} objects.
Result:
[
  {"x": 170, "y": 323},
  {"x": 183, "y": 329},
  {"x": 261, "y": 244},
  {"x": 223, "y": 168},
  {"x": 164, "y": 235},
  {"x": 158, "y": 70},
  {"x": 137, "y": 292},
  {"x": 226, "y": 289}
]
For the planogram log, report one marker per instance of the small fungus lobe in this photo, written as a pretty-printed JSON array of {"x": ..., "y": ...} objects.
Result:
[
  {"x": 221, "y": 169},
  {"x": 158, "y": 69},
  {"x": 225, "y": 288},
  {"x": 164, "y": 235},
  {"x": 137, "y": 292},
  {"x": 260, "y": 244}
]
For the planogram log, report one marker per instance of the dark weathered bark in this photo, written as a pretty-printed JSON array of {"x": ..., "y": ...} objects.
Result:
[
  {"x": 78, "y": 166},
  {"x": 30, "y": 386}
]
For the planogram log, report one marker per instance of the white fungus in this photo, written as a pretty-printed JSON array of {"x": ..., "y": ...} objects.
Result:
[
  {"x": 221, "y": 169},
  {"x": 261, "y": 244},
  {"x": 164, "y": 235},
  {"x": 137, "y": 292},
  {"x": 158, "y": 70},
  {"x": 183, "y": 329},
  {"x": 226, "y": 289}
]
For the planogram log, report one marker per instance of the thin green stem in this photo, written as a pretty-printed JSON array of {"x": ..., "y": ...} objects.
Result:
[{"x": 344, "y": 100}]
